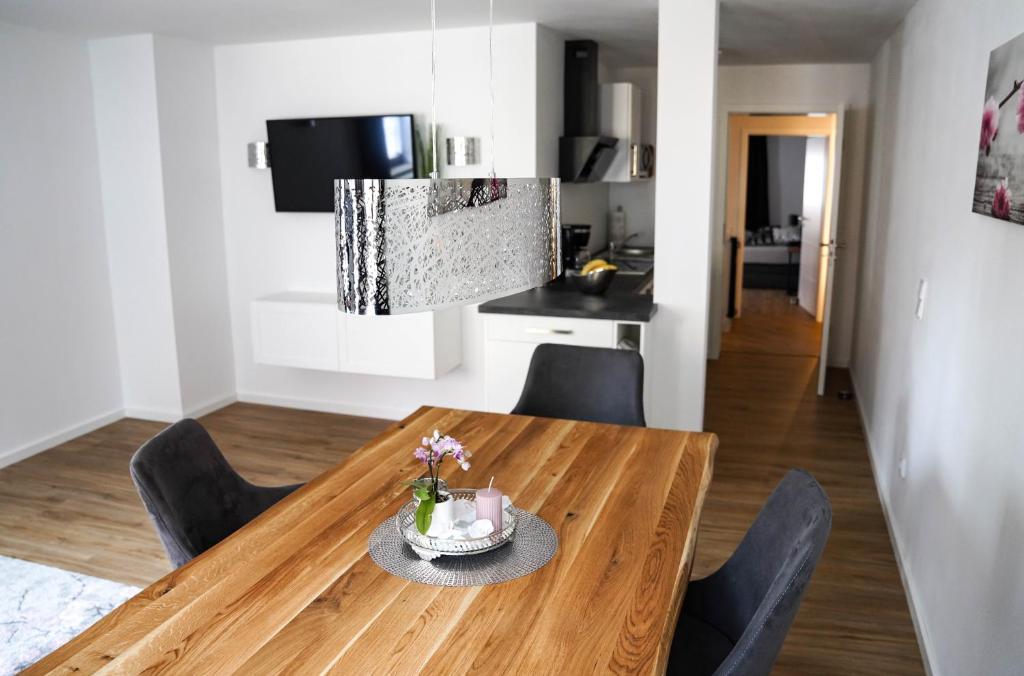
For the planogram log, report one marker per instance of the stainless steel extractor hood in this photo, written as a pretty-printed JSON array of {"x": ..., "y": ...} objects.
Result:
[
  {"x": 583, "y": 154},
  {"x": 582, "y": 159}
]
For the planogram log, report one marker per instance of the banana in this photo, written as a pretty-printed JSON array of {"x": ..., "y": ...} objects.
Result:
[{"x": 596, "y": 265}]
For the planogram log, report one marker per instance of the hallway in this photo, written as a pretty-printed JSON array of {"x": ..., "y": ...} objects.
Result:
[{"x": 854, "y": 618}]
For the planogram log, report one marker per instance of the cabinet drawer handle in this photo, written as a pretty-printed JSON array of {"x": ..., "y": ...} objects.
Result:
[{"x": 549, "y": 332}]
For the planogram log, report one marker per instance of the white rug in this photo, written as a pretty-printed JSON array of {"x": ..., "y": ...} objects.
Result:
[{"x": 42, "y": 608}]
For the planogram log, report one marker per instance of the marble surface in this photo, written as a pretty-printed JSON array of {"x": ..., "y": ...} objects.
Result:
[{"x": 42, "y": 608}]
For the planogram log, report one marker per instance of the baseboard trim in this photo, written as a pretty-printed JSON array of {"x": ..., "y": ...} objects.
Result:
[
  {"x": 923, "y": 638},
  {"x": 346, "y": 408},
  {"x": 14, "y": 455},
  {"x": 153, "y": 414},
  {"x": 210, "y": 406}
]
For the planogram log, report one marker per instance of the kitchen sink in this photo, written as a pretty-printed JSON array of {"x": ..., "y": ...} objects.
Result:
[
  {"x": 634, "y": 252},
  {"x": 631, "y": 260}
]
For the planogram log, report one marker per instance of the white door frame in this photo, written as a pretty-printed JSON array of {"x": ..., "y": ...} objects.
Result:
[{"x": 718, "y": 322}]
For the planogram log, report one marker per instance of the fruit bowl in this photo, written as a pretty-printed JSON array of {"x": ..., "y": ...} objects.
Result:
[{"x": 594, "y": 282}]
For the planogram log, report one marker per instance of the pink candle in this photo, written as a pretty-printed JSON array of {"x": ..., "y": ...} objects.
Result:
[{"x": 488, "y": 506}]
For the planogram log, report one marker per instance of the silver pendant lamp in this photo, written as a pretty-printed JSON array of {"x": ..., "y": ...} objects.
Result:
[{"x": 412, "y": 245}]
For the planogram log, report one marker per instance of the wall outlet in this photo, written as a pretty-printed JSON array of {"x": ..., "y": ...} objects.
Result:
[
  {"x": 903, "y": 467},
  {"x": 922, "y": 293}
]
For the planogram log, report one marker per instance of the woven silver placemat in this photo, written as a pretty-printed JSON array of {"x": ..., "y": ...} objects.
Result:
[{"x": 532, "y": 546}]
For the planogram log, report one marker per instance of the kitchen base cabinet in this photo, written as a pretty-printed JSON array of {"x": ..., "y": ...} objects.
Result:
[{"x": 511, "y": 340}]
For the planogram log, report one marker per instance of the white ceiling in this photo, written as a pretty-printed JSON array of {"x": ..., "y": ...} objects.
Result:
[
  {"x": 806, "y": 31},
  {"x": 751, "y": 31},
  {"x": 628, "y": 28}
]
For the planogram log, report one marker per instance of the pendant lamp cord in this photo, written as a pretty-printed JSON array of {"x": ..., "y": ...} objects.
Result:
[
  {"x": 433, "y": 87},
  {"x": 433, "y": 81},
  {"x": 490, "y": 66}
]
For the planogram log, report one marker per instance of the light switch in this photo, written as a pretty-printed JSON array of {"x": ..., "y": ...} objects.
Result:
[{"x": 922, "y": 293}]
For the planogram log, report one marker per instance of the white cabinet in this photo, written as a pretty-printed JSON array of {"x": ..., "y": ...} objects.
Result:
[
  {"x": 511, "y": 340},
  {"x": 306, "y": 330},
  {"x": 620, "y": 118},
  {"x": 297, "y": 329}
]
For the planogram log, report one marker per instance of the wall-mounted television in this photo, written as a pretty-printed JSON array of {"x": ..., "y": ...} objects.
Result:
[{"x": 306, "y": 155}]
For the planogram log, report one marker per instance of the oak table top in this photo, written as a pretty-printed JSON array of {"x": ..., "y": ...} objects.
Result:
[{"x": 296, "y": 590}]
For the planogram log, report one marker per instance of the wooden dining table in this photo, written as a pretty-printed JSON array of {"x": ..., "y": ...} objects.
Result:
[{"x": 296, "y": 590}]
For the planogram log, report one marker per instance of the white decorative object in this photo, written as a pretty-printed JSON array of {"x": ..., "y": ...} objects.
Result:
[
  {"x": 425, "y": 554},
  {"x": 442, "y": 520},
  {"x": 458, "y": 539},
  {"x": 481, "y": 528}
]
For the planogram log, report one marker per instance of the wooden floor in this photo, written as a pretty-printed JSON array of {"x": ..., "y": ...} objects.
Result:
[
  {"x": 770, "y": 324},
  {"x": 74, "y": 506},
  {"x": 854, "y": 618}
]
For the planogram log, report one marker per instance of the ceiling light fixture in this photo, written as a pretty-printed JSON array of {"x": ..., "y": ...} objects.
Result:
[{"x": 412, "y": 245}]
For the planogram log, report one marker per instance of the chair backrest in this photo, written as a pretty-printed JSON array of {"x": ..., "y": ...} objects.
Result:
[
  {"x": 758, "y": 590},
  {"x": 193, "y": 495},
  {"x": 584, "y": 383}
]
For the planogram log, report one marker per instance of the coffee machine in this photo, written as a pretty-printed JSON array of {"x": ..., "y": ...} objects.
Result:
[{"x": 575, "y": 246}]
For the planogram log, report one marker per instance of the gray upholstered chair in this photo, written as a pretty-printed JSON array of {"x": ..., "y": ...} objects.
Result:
[
  {"x": 734, "y": 621},
  {"x": 192, "y": 494},
  {"x": 584, "y": 383}
]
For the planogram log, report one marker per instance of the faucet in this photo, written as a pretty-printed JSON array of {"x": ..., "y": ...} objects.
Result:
[{"x": 612, "y": 247}]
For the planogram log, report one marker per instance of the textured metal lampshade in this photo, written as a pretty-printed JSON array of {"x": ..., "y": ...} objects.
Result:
[{"x": 426, "y": 244}]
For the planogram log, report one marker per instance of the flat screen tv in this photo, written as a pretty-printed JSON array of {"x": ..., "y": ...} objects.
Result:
[{"x": 306, "y": 155}]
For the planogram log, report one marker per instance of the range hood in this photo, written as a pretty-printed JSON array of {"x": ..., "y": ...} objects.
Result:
[{"x": 583, "y": 153}]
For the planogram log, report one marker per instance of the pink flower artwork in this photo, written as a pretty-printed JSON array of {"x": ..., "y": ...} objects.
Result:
[
  {"x": 989, "y": 124},
  {"x": 1002, "y": 201},
  {"x": 1020, "y": 111}
]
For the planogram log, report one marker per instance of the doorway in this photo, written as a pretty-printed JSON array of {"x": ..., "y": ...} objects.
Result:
[{"x": 780, "y": 231}]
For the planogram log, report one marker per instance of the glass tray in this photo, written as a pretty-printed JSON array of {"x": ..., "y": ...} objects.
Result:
[{"x": 406, "y": 521}]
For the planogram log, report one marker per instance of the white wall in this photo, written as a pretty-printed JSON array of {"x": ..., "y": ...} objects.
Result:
[
  {"x": 637, "y": 198},
  {"x": 187, "y": 108},
  {"x": 370, "y": 74},
  {"x": 798, "y": 89},
  {"x": 786, "y": 158},
  {"x": 58, "y": 356},
  {"x": 943, "y": 392},
  {"x": 128, "y": 134},
  {"x": 550, "y": 76},
  {"x": 687, "y": 52},
  {"x": 156, "y": 123}
]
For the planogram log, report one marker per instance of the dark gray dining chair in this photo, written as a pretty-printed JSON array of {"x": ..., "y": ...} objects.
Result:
[
  {"x": 195, "y": 498},
  {"x": 734, "y": 621},
  {"x": 584, "y": 383}
]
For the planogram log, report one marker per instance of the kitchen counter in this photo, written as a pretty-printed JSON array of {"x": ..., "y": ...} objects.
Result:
[{"x": 561, "y": 299}]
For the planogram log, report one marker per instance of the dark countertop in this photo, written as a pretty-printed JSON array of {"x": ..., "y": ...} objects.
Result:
[{"x": 561, "y": 299}]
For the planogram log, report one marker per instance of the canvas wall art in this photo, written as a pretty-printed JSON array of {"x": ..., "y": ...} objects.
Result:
[{"x": 999, "y": 186}]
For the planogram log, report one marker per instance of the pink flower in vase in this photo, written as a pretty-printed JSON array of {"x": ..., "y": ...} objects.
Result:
[
  {"x": 1002, "y": 201},
  {"x": 1020, "y": 111},
  {"x": 989, "y": 125}
]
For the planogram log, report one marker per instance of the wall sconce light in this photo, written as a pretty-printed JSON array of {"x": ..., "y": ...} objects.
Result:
[
  {"x": 463, "y": 151},
  {"x": 259, "y": 155}
]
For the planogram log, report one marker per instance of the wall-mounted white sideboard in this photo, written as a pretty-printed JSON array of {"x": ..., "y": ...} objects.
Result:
[{"x": 306, "y": 330}]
